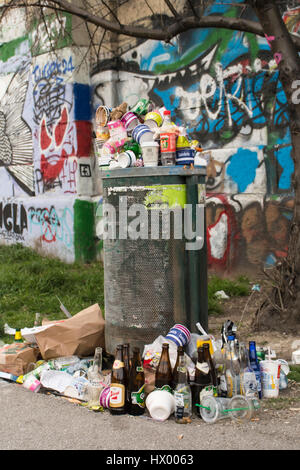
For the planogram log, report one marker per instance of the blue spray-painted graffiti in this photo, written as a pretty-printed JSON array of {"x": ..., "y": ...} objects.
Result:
[
  {"x": 242, "y": 168},
  {"x": 52, "y": 226}
]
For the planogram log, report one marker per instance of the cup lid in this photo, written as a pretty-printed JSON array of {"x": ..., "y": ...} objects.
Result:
[{"x": 149, "y": 144}]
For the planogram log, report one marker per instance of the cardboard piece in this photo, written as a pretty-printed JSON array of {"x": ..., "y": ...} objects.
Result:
[
  {"x": 76, "y": 336},
  {"x": 15, "y": 357}
]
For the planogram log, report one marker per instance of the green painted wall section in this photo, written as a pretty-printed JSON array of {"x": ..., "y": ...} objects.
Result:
[{"x": 84, "y": 231}]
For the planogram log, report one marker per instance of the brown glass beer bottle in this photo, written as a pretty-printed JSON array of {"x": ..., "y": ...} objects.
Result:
[
  {"x": 202, "y": 378},
  {"x": 180, "y": 353},
  {"x": 126, "y": 361},
  {"x": 163, "y": 373},
  {"x": 136, "y": 385},
  {"x": 209, "y": 361},
  {"x": 117, "y": 402}
]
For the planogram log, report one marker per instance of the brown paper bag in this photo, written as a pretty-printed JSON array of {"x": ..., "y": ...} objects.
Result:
[
  {"x": 15, "y": 357},
  {"x": 76, "y": 336}
]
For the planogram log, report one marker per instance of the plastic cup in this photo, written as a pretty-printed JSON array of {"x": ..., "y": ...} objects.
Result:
[
  {"x": 153, "y": 120},
  {"x": 32, "y": 383},
  {"x": 102, "y": 115},
  {"x": 142, "y": 133},
  {"x": 205, "y": 339},
  {"x": 117, "y": 129},
  {"x": 105, "y": 397},
  {"x": 160, "y": 404},
  {"x": 179, "y": 334},
  {"x": 185, "y": 156},
  {"x": 213, "y": 409},
  {"x": 126, "y": 159},
  {"x": 270, "y": 377},
  {"x": 130, "y": 121},
  {"x": 150, "y": 152},
  {"x": 242, "y": 408}
]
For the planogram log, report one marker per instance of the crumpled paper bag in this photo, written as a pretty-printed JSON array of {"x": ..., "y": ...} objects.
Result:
[
  {"x": 15, "y": 357},
  {"x": 76, "y": 336}
]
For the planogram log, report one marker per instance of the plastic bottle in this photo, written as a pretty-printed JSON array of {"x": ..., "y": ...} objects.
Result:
[
  {"x": 248, "y": 379},
  {"x": 168, "y": 136},
  {"x": 255, "y": 366},
  {"x": 18, "y": 336},
  {"x": 232, "y": 368},
  {"x": 183, "y": 394}
]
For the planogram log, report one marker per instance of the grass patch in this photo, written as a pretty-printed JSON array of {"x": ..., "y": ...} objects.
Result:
[
  {"x": 29, "y": 283},
  {"x": 294, "y": 373},
  {"x": 233, "y": 288}
]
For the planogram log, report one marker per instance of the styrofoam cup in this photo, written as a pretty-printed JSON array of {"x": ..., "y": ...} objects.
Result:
[
  {"x": 270, "y": 375},
  {"x": 150, "y": 152},
  {"x": 160, "y": 404}
]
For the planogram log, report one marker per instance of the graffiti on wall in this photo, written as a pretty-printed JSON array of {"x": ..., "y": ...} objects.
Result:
[
  {"x": 52, "y": 225},
  {"x": 247, "y": 231},
  {"x": 224, "y": 87},
  {"x": 60, "y": 123},
  {"x": 29, "y": 223},
  {"x": 15, "y": 137}
]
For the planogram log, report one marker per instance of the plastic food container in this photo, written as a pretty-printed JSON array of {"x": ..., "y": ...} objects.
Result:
[{"x": 150, "y": 152}]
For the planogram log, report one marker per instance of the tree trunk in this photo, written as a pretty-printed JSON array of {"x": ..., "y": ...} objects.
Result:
[{"x": 282, "y": 310}]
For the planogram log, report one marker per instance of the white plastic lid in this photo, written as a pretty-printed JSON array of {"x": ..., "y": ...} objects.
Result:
[{"x": 149, "y": 144}]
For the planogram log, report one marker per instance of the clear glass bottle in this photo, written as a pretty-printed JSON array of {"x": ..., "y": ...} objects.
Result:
[
  {"x": 232, "y": 368},
  {"x": 95, "y": 378},
  {"x": 183, "y": 394}
]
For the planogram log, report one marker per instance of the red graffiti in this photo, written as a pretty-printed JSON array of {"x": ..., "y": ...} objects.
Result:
[{"x": 55, "y": 145}]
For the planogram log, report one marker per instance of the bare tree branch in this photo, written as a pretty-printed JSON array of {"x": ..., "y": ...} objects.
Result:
[
  {"x": 180, "y": 24},
  {"x": 171, "y": 8}
]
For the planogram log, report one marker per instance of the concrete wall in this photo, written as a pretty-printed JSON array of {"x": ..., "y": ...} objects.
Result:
[
  {"x": 222, "y": 85},
  {"x": 48, "y": 170}
]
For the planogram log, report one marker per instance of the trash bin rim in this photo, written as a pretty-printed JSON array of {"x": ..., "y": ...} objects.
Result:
[{"x": 175, "y": 170}]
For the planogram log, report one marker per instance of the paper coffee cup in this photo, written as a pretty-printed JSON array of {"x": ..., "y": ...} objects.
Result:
[{"x": 270, "y": 376}]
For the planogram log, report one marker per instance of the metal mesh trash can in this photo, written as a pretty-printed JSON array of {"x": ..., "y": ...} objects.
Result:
[{"x": 151, "y": 279}]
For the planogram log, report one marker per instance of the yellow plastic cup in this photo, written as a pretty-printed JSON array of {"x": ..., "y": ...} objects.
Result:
[{"x": 203, "y": 340}]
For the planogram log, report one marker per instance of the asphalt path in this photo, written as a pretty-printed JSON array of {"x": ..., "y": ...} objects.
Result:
[{"x": 36, "y": 421}]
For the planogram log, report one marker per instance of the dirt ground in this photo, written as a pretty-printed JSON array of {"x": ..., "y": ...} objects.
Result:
[{"x": 241, "y": 311}]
